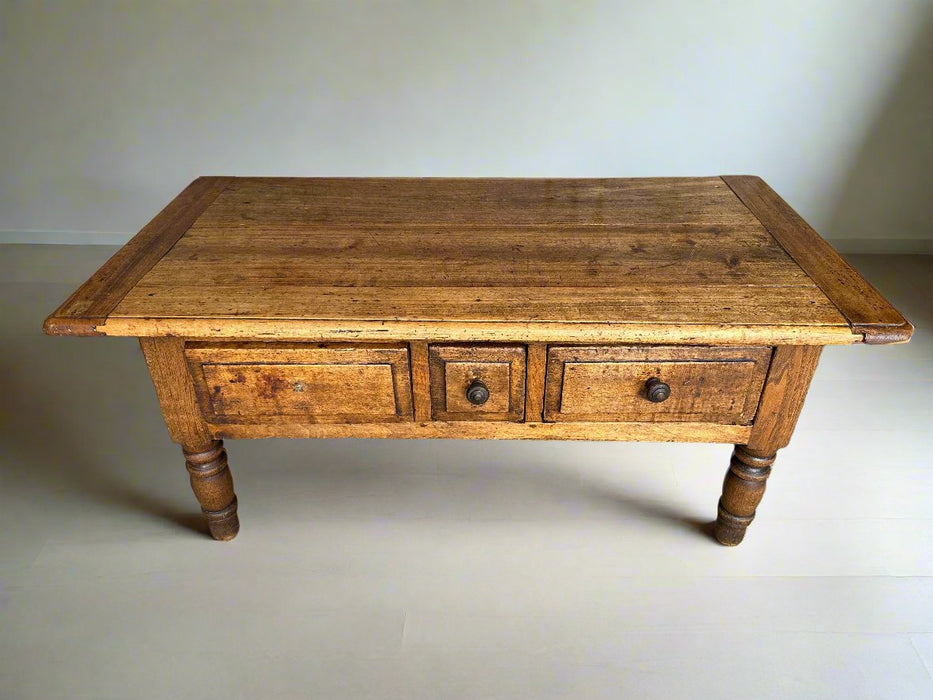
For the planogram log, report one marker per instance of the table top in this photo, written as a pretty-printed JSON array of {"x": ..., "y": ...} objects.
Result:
[{"x": 710, "y": 259}]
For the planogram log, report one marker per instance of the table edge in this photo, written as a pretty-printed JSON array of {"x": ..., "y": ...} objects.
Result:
[
  {"x": 238, "y": 329},
  {"x": 869, "y": 314},
  {"x": 88, "y": 307}
]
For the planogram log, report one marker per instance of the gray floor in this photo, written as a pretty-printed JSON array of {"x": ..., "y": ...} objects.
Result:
[{"x": 446, "y": 569}]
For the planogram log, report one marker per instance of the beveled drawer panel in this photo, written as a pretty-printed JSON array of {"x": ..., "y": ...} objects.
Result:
[
  {"x": 696, "y": 384},
  {"x": 477, "y": 382},
  {"x": 314, "y": 383}
]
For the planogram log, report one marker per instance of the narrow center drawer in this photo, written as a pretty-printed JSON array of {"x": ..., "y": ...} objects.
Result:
[
  {"x": 313, "y": 383},
  {"x": 640, "y": 383},
  {"x": 477, "y": 382}
]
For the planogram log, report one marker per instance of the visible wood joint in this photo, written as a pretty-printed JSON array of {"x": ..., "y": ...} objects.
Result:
[
  {"x": 90, "y": 305},
  {"x": 861, "y": 305}
]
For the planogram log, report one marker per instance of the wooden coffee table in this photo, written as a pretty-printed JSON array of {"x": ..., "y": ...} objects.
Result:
[{"x": 682, "y": 309}]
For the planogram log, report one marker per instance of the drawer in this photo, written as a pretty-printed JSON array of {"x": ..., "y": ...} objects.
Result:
[
  {"x": 715, "y": 385},
  {"x": 477, "y": 382},
  {"x": 301, "y": 382}
]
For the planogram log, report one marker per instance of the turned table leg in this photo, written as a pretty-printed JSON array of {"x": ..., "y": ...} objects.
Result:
[
  {"x": 741, "y": 493},
  {"x": 212, "y": 484},
  {"x": 205, "y": 457},
  {"x": 789, "y": 376}
]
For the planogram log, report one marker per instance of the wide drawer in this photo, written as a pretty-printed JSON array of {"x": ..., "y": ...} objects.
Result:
[
  {"x": 609, "y": 383},
  {"x": 309, "y": 383}
]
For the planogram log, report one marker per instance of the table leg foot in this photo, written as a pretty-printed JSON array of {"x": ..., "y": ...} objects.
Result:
[
  {"x": 742, "y": 491},
  {"x": 212, "y": 484}
]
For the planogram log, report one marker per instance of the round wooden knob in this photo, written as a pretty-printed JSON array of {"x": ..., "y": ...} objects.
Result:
[
  {"x": 477, "y": 393},
  {"x": 656, "y": 390}
]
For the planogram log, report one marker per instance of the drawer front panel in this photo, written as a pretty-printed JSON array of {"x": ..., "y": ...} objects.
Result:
[
  {"x": 258, "y": 382},
  {"x": 715, "y": 385},
  {"x": 497, "y": 372}
]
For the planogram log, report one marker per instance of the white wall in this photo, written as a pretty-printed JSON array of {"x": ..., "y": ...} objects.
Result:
[{"x": 110, "y": 108}]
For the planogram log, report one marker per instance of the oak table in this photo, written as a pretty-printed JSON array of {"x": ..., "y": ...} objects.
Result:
[{"x": 663, "y": 309}]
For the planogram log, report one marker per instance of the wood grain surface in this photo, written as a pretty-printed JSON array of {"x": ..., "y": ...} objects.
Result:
[
  {"x": 792, "y": 369},
  {"x": 313, "y": 258},
  {"x": 733, "y": 304},
  {"x": 420, "y": 379},
  {"x": 535, "y": 371}
]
